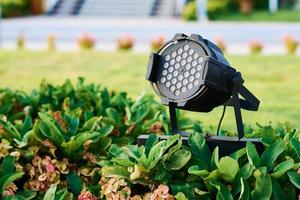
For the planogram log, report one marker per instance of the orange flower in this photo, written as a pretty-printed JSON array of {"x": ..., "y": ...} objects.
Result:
[{"x": 86, "y": 195}]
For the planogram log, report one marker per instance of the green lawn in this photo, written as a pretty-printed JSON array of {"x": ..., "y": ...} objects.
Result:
[
  {"x": 280, "y": 16},
  {"x": 274, "y": 79}
]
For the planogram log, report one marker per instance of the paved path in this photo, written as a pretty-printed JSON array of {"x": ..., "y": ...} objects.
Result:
[{"x": 67, "y": 29}]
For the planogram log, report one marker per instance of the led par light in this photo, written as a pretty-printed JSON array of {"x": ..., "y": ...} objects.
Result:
[{"x": 191, "y": 73}]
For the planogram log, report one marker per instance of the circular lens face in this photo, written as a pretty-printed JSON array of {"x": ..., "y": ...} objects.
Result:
[
  {"x": 196, "y": 55},
  {"x": 183, "y": 62},
  {"x": 174, "y": 81},
  {"x": 175, "y": 73},
  {"x": 194, "y": 63},
  {"x": 191, "y": 51},
  {"x": 180, "y": 50},
  {"x": 169, "y": 76},
  {"x": 178, "y": 85},
  {"x": 180, "y": 77},
  {"x": 173, "y": 54},
  {"x": 172, "y": 61},
  {"x": 191, "y": 78},
  {"x": 196, "y": 82},
  {"x": 188, "y": 67},
  {"x": 193, "y": 71},
  {"x": 180, "y": 69},
  {"x": 200, "y": 59},
  {"x": 185, "y": 82},
  {"x": 186, "y": 47},
  {"x": 172, "y": 88},
  {"x": 186, "y": 74},
  {"x": 168, "y": 57},
  {"x": 164, "y": 72}
]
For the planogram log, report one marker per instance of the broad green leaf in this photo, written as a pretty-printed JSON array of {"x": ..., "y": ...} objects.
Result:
[
  {"x": 187, "y": 189},
  {"x": 61, "y": 194},
  {"x": 15, "y": 197},
  {"x": 223, "y": 192},
  {"x": 27, "y": 125},
  {"x": 50, "y": 194},
  {"x": 140, "y": 113},
  {"x": 238, "y": 154},
  {"x": 203, "y": 173},
  {"x": 296, "y": 146},
  {"x": 91, "y": 124},
  {"x": 115, "y": 171},
  {"x": 75, "y": 183},
  {"x": 200, "y": 192},
  {"x": 278, "y": 194},
  {"x": 245, "y": 190},
  {"x": 271, "y": 154},
  {"x": 11, "y": 129},
  {"x": 282, "y": 168},
  {"x": 215, "y": 159},
  {"x": 180, "y": 196},
  {"x": 228, "y": 168},
  {"x": 151, "y": 141},
  {"x": 49, "y": 129},
  {"x": 245, "y": 172},
  {"x": 9, "y": 178},
  {"x": 178, "y": 160},
  {"x": 77, "y": 141},
  {"x": 155, "y": 153},
  {"x": 27, "y": 194},
  {"x": 113, "y": 115},
  {"x": 252, "y": 155},
  {"x": 7, "y": 166},
  {"x": 263, "y": 185},
  {"x": 105, "y": 131},
  {"x": 199, "y": 149},
  {"x": 294, "y": 178}
]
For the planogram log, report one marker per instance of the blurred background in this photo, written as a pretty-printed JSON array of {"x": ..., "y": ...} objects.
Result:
[{"x": 108, "y": 42}]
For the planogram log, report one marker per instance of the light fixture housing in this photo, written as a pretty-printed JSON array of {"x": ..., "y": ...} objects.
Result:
[{"x": 191, "y": 73}]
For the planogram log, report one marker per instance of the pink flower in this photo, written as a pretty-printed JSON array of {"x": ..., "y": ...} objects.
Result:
[
  {"x": 8, "y": 192},
  {"x": 87, "y": 195},
  {"x": 48, "y": 164}
]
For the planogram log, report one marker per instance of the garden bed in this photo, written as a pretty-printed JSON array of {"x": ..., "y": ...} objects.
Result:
[{"x": 78, "y": 141}]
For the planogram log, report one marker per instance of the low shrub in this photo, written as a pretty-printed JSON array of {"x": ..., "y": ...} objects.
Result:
[
  {"x": 255, "y": 46},
  {"x": 85, "y": 41},
  {"x": 13, "y": 8},
  {"x": 125, "y": 42},
  {"x": 190, "y": 11},
  {"x": 290, "y": 44},
  {"x": 217, "y": 8},
  {"x": 219, "y": 41},
  {"x": 21, "y": 41},
  {"x": 51, "y": 42},
  {"x": 157, "y": 42}
]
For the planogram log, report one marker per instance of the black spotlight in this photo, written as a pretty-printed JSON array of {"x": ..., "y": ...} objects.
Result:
[{"x": 191, "y": 73}]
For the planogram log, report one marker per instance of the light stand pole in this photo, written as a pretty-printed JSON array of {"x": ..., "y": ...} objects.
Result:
[{"x": 202, "y": 10}]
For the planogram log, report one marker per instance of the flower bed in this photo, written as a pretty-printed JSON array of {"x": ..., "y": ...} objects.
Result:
[{"x": 79, "y": 142}]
